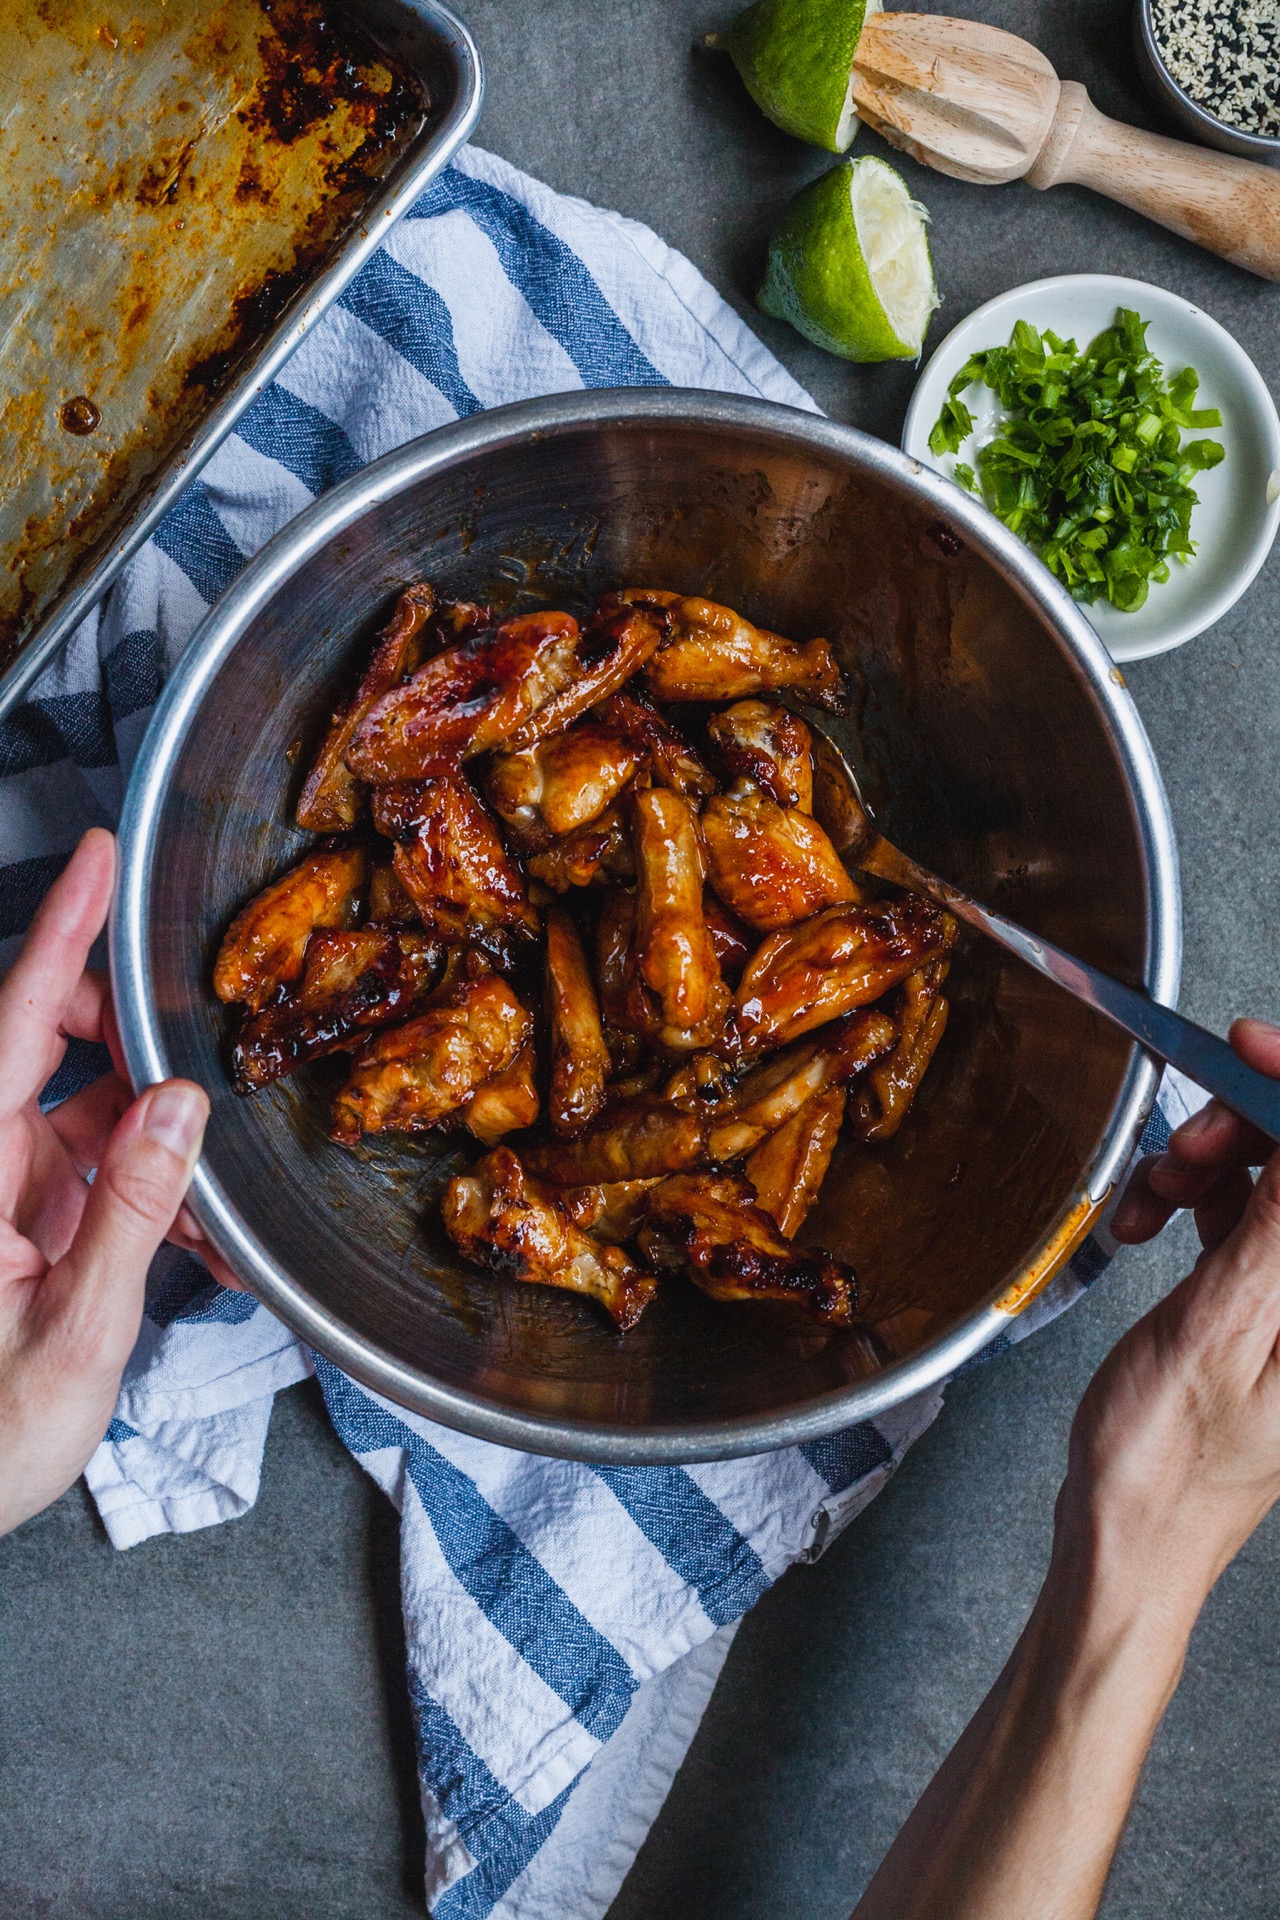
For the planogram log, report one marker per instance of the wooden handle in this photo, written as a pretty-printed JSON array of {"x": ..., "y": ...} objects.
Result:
[{"x": 1230, "y": 206}]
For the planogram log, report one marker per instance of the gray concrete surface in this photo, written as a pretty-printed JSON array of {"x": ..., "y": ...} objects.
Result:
[{"x": 215, "y": 1726}]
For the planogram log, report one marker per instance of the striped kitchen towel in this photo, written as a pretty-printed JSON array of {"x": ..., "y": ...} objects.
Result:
[{"x": 564, "y": 1623}]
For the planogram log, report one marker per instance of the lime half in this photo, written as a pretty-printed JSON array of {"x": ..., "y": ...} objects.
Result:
[
  {"x": 849, "y": 267},
  {"x": 796, "y": 58}
]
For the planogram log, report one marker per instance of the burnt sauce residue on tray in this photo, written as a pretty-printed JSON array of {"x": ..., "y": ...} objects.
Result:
[{"x": 172, "y": 175}]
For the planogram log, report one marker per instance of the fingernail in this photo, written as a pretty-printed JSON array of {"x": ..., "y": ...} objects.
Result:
[
  {"x": 1125, "y": 1215},
  {"x": 175, "y": 1116},
  {"x": 1198, "y": 1124}
]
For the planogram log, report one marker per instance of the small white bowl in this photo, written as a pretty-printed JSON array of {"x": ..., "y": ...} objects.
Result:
[{"x": 1238, "y": 513}]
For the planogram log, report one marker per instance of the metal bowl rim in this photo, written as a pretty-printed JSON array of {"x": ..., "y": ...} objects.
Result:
[
  {"x": 326, "y": 519},
  {"x": 1238, "y": 140}
]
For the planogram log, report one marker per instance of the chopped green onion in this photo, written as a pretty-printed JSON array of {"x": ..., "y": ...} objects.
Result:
[{"x": 1088, "y": 464}]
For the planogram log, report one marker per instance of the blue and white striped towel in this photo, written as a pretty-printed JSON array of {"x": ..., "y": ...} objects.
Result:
[{"x": 565, "y": 1624}]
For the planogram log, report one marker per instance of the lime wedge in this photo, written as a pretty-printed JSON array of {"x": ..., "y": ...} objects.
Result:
[
  {"x": 849, "y": 267},
  {"x": 796, "y": 57}
]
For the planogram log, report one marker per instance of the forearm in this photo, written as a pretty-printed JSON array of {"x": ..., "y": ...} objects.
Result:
[{"x": 1026, "y": 1811}]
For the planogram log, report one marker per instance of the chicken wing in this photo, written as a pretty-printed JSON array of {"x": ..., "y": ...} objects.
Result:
[
  {"x": 565, "y": 783},
  {"x": 506, "y": 1103},
  {"x": 714, "y": 654},
  {"x": 710, "y": 1225},
  {"x": 614, "y": 929},
  {"x": 673, "y": 952},
  {"x": 671, "y": 761},
  {"x": 839, "y": 960},
  {"x": 580, "y": 1061},
  {"x": 263, "y": 948},
  {"x": 758, "y": 740},
  {"x": 615, "y": 643},
  {"x": 353, "y": 982},
  {"x": 774, "y": 1092},
  {"x": 600, "y": 853},
  {"x": 450, "y": 860},
  {"x": 636, "y": 1139},
  {"x": 612, "y": 1211},
  {"x": 882, "y": 1101},
  {"x": 772, "y": 865},
  {"x": 466, "y": 700},
  {"x": 504, "y": 1221},
  {"x": 411, "y": 1077},
  {"x": 332, "y": 799},
  {"x": 788, "y": 1168}
]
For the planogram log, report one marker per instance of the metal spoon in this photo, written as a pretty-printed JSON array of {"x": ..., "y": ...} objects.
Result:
[{"x": 1202, "y": 1056}]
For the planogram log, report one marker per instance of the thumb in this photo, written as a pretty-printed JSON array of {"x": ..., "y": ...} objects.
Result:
[{"x": 96, "y": 1289}]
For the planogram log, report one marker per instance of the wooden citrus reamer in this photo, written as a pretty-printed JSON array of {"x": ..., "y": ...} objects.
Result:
[{"x": 980, "y": 104}]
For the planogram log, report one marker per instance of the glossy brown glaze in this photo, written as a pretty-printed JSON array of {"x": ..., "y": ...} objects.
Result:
[
  {"x": 885, "y": 1097},
  {"x": 768, "y": 744},
  {"x": 714, "y": 654},
  {"x": 412, "y": 1077},
  {"x": 450, "y": 860},
  {"x": 637, "y": 1139},
  {"x": 612, "y": 647},
  {"x": 264, "y": 947},
  {"x": 788, "y": 1168},
  {"x": 674, "y": 954},
  {"x": 670, "y": 760},
  {"x": 548, "y": 791},
  {"x": 508, "y": 1103},
  {"x": 505, "y": 1221},
  {"x": 580, "y": 1063},
  {"x": 331, "y": 798},
  {"x": 352, "y": 983},
  {"x": 772, "y": 865},
  {"x": 710, "y": 1225},
  {"x": 827, "y": 966},
  {"x": 466, "y": 700},
  {"x": 598, "y": 855}
]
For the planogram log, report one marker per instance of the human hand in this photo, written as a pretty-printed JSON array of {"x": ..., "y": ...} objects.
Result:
[
  {"x": 1175, "y": 1452},
  {"x": 74, "y": 1254}
]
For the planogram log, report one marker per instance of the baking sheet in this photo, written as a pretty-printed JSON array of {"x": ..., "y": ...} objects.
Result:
[{"x": 183, "y": 188}]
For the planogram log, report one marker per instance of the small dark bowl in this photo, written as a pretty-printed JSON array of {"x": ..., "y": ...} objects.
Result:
[{"x": 1193, "y": 120}]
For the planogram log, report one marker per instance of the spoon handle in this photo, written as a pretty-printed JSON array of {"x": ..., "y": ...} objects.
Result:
[{"x": 1201, "y": 1055}]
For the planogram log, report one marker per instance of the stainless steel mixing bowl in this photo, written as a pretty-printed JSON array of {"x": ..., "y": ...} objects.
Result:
[{"x": 997, "y": 742}]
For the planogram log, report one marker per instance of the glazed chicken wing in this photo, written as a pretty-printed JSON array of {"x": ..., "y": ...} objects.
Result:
[
  {"x": 670, "y": 759},
  {"x": 332, "y": 799},
  {"x": 611, "y": 1211},
  {"x": 505, "y": 1104},
  {"x": 839, "y": 960},
  {"x": 758, "y": 740},
  {"x": 580, "y": 1061},
  {"x": 615, "y": 643},
  {"x": 503, "y": 1220},
  {"x": 450, "y": 860},
  {"x": 772, "y": 865},
  {"x": 636, "y": 1139},
  {"x": 710, "y": 1225},
  {"x": 466, "y": 700},
  {"x": 882, "y": 1102},
  {"x": 714, "y": 654},
  {"x": 353, "y": 983},
  {"x": 389, "y": 905},
  {"x": 565, "y": 783},
  {"x": 673, "y": 952},
  {"x": 263, "y": 948},
  {"x": 788, "y": 1168},
  {"x": 771, "y": 1094},
  {"x": 412, "y": 1077},
  {"x": 600, "y": 854}
]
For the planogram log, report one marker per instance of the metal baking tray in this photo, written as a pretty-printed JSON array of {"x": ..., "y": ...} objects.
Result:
[{"x": 185, "y": 187}]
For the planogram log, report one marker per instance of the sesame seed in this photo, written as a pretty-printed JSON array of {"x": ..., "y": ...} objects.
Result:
[{"x": 1226, "y": 57}]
